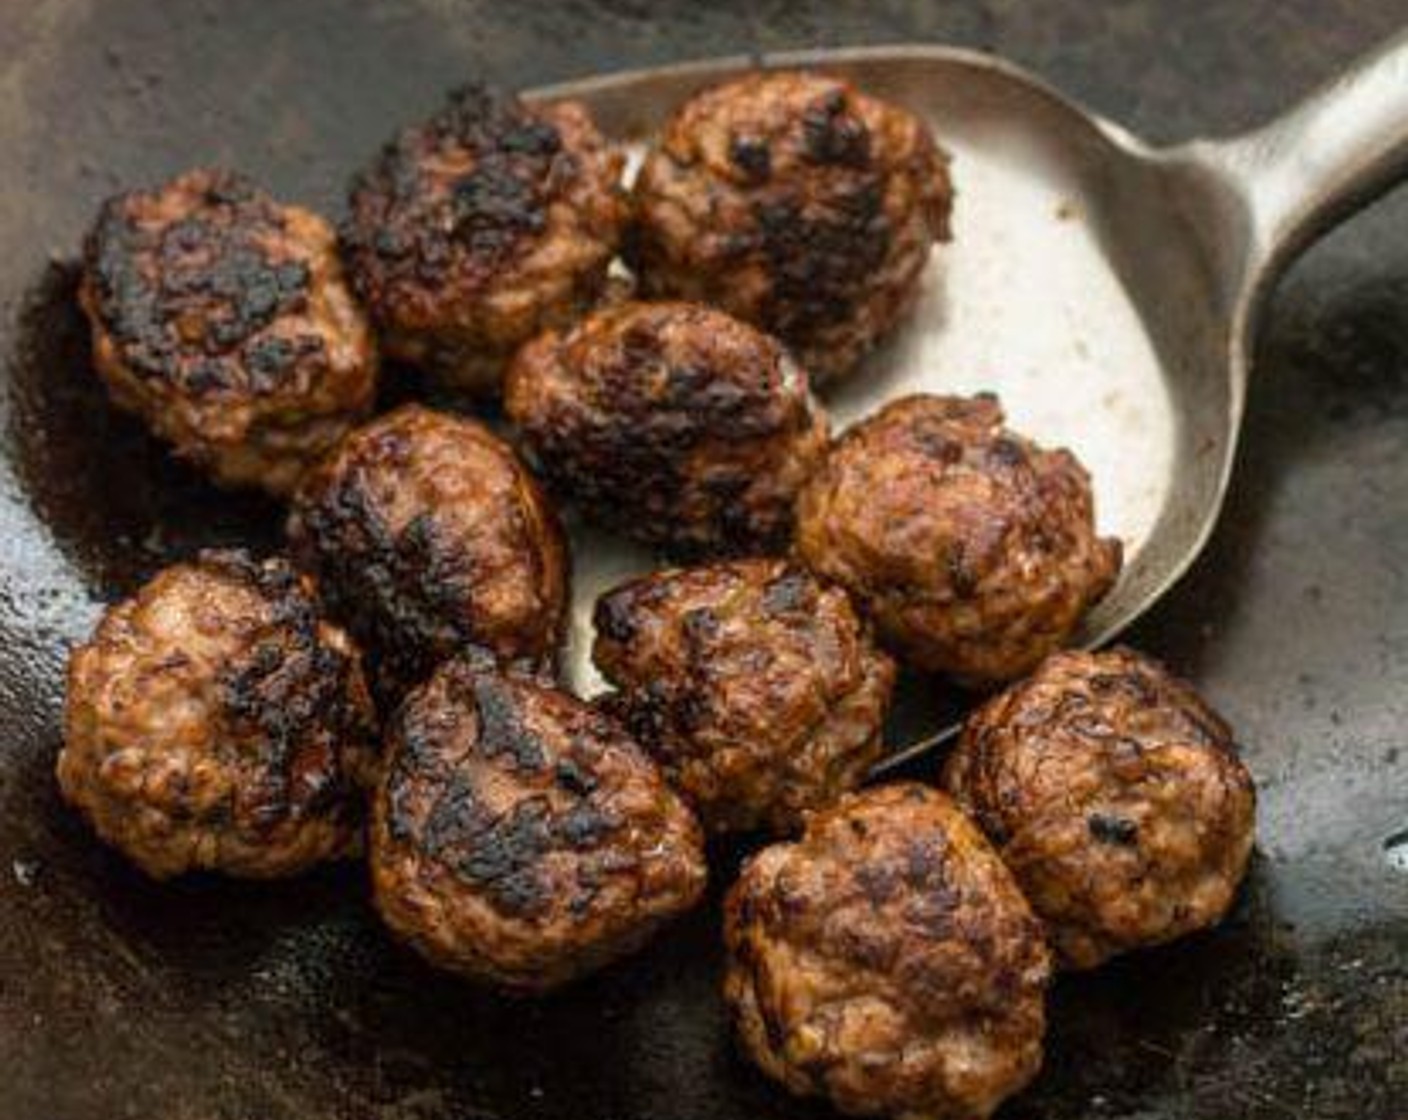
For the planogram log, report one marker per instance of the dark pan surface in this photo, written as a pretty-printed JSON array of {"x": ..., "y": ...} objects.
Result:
[{"x": 216, "y": 1000}]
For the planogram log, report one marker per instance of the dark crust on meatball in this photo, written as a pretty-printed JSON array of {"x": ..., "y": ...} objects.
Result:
[
  {"x": 214, "y": 721},
  {"x": 757, "y": 689},
  {"x": 671, "y": 422},
  {"x": 428, "y": 535},
  {"x": 888, "y": 962},
  {"x": 224, "y": 321},
  {"x": 521, "y": 838},
  {"x": 795, "y": 202},
  {"x": 972, "y": 549},
  {"x": 1116, "y": 796},
  {"x": 487, "y": 223}
]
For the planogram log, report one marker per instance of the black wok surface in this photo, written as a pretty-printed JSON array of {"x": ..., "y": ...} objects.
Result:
[{"x": 212, "y": 1000}]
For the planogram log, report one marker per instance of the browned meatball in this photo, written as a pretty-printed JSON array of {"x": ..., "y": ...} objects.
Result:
[
  {"x": 214, "y": 721},
  {"x": 973, "y": 549},
  {"x": 475, "y": 230},
  {"x": 798, "y": 203},
  {"x": 521, "y": 838},
  {"x": 428, "y": 535},
  {"x": 674, "y": 423},
  {"x": 224, "y": 321},
  {"x": 1116, "y": 797},
  {"x": 757, "y": 689},
  {"x": 887, "y": 961}
]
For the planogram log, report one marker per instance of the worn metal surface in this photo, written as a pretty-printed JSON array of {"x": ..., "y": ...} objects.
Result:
[{"x": 209, "y": 999}]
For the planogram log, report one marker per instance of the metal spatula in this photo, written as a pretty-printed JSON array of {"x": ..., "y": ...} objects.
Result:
[{"x": 1107, "y": 290}]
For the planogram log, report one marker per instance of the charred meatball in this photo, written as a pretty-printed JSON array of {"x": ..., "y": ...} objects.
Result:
[
  {"x": 428, "y": 535},
  {"x": 887, "y": 961},
  {"x": 757, "y": 689},
  {"x": 472, "y": 232},
  {"x": 674, "y": 423},
  {"x": 798, "y": 203},
  {"x": 215, "y": 722},
  {"x": 224, "y": 321},
  {"x": 521, "y": 838},
  {"x": 973, "y": 549},
  {"x": 1116, "y": 797}
]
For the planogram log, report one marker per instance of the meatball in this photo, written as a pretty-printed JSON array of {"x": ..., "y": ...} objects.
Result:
[
  {"x": 214, "y": 721},
  {"x": 757, "y": 689},
  {"x": 429, "y": 535},
  {"x": 973, "y": 549},
  {"x": 475, "y": 230},
  {"x": 1116, "y": 797},
  {"x": 798, "y": 203},
  {"x": 519, "y": 837},
  {"x": 888, "y": 962},
  {"x": 671, "y": 422},
  {"x": 224, "y": 321}
]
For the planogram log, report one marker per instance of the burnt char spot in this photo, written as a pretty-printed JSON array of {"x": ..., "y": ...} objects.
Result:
[
  {"x": 1007, "y": 452},
  {"x": 188, "y": 301},
  {"x": 699, "y": 625},
  {"x": 501, "y": 855},
  {"x": 584, "y": 826},
  {"x": 391, "y": 588},
  {"x": 791, "y": 591},
  {"x": 751, "y": 155},
  {"x": 268, "y": 358},
  {"x": 697, "y": 396},
  {"x": 692, "y": 389},
  {"x": 1113, "y": 830},
  {"x": 934, "y": 909},
  {"x": 483, "y": 119},
  {"x": 498, "y": 853},
  {"x": 938, "y": 445},
  {"x": 574, "y": 779},
  {"x": 832, "y": 136},
  {"x": 925, "y": 862},
  {"x": 878, "y": 880},
  {"x": 822, "y": 253},
  {"x": 501, "y": 730},
  {"x": 614, "y": 618},
  {"x": 494, "y": 207},
  {"x": 289, "y": 699},
  {"x": 410, "y": 227},
  {"x": 646, "y": 713}
]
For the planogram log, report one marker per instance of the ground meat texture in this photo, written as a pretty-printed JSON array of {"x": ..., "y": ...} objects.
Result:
[
  {"x": 673, "y": 423},
  {"x": 224, "y": 321},
  {"x": 429, "y": 535},
  {"x": 215, "y": 722},
  {"x": 519, "y": 837},
  {"x": 973, "y": 549},
  {"x": 475, "y": 230},
  {"x": 798, "y": 203},
  {"x": 757, "y": 689},
  {"x": 888, "y": 962},
  {"x": 1116, "y": 797}
]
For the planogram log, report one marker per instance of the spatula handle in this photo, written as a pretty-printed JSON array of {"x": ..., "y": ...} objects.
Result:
[{"x": 1337, "y": 150}]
